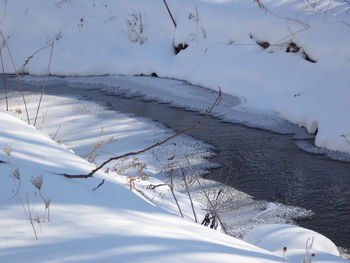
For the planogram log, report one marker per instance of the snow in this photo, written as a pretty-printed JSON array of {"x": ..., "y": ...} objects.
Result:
[
  {"x": 136, "y": 37},
  {"x": 109, "y": 224},
  {"x": 239, "y": 211},
  {"x": 298, "y": 242}
]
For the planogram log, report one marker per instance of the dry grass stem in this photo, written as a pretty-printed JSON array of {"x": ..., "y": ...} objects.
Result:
[
  {"x": 189, "y": 195},
  {"x": 45, "y": 83}
]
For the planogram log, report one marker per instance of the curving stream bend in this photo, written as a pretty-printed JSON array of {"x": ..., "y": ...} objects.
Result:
[{"x": 266, "y": 165}]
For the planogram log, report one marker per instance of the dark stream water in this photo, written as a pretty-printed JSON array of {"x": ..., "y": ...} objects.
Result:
[{"x": 265, "y": 165}]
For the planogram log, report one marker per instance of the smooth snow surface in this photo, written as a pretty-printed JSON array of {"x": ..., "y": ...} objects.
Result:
[
  {"x": 295, "y": 240},
  {"x": 137, "y": 37}
]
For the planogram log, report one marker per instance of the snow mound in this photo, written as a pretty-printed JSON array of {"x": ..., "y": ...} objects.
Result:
[{"x": 294, "y": 243}]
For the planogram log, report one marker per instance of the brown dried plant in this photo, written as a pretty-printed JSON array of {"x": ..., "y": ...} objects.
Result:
[
  {"x": 132, "y": 168},
  {"x": 7, "y": 150},
  {"x": 37, "y": 181},
  {"x": 92, "y": 155}
]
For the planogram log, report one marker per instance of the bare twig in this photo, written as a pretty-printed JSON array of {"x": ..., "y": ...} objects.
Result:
[
  {"x": 30, "y": 218},
  {"x": 171, "y": 16},
  {"x": 154, "y": 186},
  {"x": 189, "y": 195},
  {"x": 260, "y": 3},
  {"x": 262, "y": 6},
  {"x": 171, "y": 186},
  {"x": 4, "y": 13},
  {"x": 36, "y": 52},
  {"x": 28, "y": 214},
  {"x": 17, "y": 75},
  {"x": 99, "y": 185},
  {"x": 45, "y": 83},
  {"x": 288, "y": 18},
  {"x": 212, "y": 206},
  {"x": 59, "y": 127},
  {"x": 4, "y": 78},
  {"x": 291, "y": 34},
  {"x": 347, "y": 24},
  {"x": 196, "y": 125}
]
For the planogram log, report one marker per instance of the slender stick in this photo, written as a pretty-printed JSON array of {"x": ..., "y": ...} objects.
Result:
[
  {"x": 99, "y": 185},
  {"x": 4, "y": 78},
  {"x": 30, "y": 218},
  {"x": 172, "y": 18},
  {"x": 28, "y": 214},
  {"x": 36, "y": 52},
  {"x": 59, "y": 127},
  {"x": 17, "y": 75},
  {"x": 189, "y": 195},
  {"x": 171, "y": 186},
  {"x": 45, "y": 83}
]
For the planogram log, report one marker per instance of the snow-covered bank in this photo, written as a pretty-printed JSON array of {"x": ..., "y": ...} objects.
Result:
[
  {"x": 61, "y": 118},
  {"x": 95, "y": 38},
  {"x": 299, "y": 244},
  {"x": 109, "y": 224}
]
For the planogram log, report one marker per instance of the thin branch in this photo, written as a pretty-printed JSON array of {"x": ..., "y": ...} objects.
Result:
[
  {"x": 99, "y": 185},
  {"x": 4, "y": 78},
  {"x": 262, "y": 6},
  {"x": 196, "y": 125},
  {"x": 5, "y": 10},
  {"x": 17, "y": 75},
  {"x": 288, "y": 18},
  {"x": 213, "y": 208},
  {"x": 171, "y": 186},
  {"x": 44, "y": 86},
  {"x": 59, "y": 127},
  {"x": 189, "y": 195},
  {"x": 30, "y": 218},
  {"x": 347, "y": 24},
  {"x": 152, "y": 186},
  {"x": 36, "y": 52},
  {"x": 172, "y": 18}
]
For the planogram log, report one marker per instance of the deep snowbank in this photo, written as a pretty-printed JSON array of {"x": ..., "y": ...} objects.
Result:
[
  {"x": 137, "y": 37},
  {"x": 112, "y": 223},
  {"x": 294, "y": 243},
  {"x": 108, "y": 225}
]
